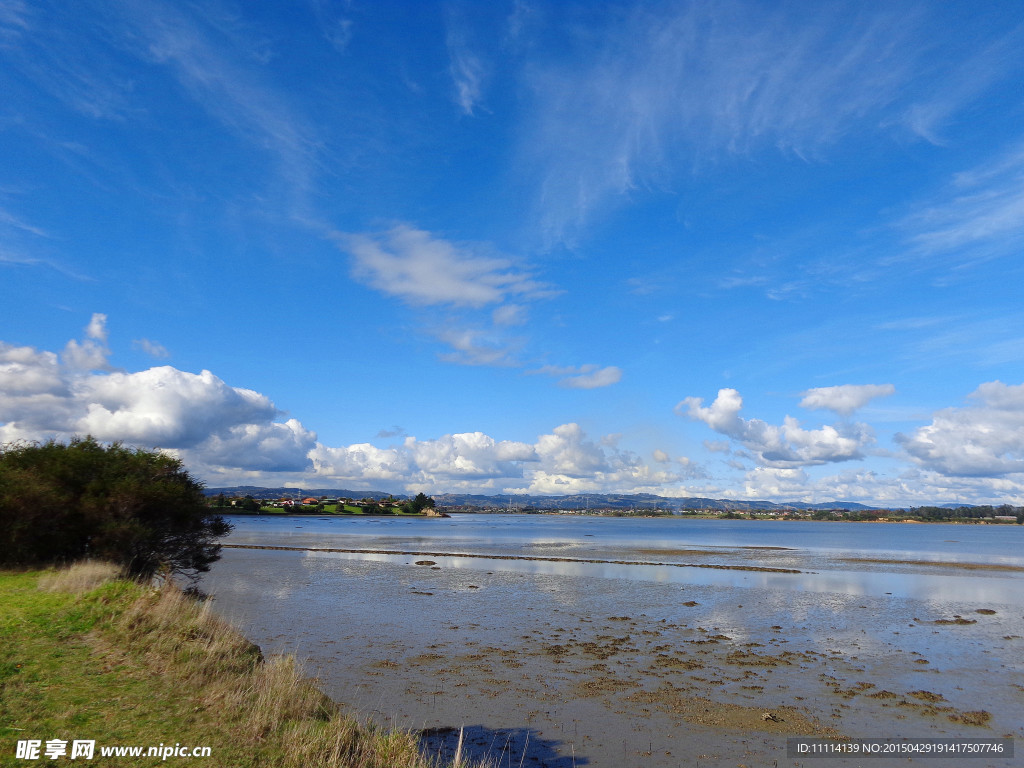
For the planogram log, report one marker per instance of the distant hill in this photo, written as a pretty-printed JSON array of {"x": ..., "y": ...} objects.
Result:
[
  {"x": 628, "y": 501},
  {"x": 258, "y": 492},
  {"x": 637, "y": 501}
]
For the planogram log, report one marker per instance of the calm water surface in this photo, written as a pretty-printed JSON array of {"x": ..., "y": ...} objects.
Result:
[{"x": 831, "y": 557}]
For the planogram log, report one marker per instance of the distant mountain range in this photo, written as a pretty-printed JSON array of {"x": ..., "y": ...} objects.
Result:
[{"x": 635, "y": 501}]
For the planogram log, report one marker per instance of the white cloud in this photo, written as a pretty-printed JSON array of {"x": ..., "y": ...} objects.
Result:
[
  {"x": 151, "y": 348},
  {"x": 26, "y": 371},
  {"x": 784, "y": 446},
  {"x": 567, "y": 451},
  {"x": 466, "y": 69},
  {"x": 476, "y": 347},
  {"x": 565, "y": 460},
  {"x": 773, "y": 483},
  {"x": 166, "y": 407},
  {"x": 587, "y": 376},
  {"x": 469, "y": 454},
  {"x": 197, "y": 416},
  {"x": 360, "y": 464},
  {"x": 981, "y": 210},
  {"x": 422, "y": 269},
  {"x": 984, "y": 439},
  {"x": 35, "y": 398},
  {"x": 263, "y": 446},
  {"x": 509, "y": 314},
  {"x": 603, "y": 377},
  {"x": 844, "y": 399},
  {"x": 91, "y": 353},
  {"x": 683, "y": 81},
  {"x": 211, "y": 60}
]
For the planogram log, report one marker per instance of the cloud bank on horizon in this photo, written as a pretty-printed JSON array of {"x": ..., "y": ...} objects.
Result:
[{"x": 731, "y": 249}]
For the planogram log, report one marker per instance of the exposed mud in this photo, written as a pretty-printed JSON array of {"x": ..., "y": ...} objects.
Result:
[{"x": 541, "y": 558}]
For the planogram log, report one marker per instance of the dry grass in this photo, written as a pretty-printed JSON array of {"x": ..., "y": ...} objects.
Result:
[{"x": 79, "y": 578}]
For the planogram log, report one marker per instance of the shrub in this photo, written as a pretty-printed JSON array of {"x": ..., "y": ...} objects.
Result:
[{"x": 140, "y": 509}]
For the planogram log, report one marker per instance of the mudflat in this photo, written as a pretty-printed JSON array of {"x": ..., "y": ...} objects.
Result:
[{"x": 582, "y": 668}]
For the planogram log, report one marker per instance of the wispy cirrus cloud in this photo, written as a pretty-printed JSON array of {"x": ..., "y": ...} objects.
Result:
[
  {"x": 963, "y": 81},
  {"x": 151, "y": 348},
  {"x": 978, "y": 215},
  {"x": 214, "y": 63},
  {"x": 682, "y": 85},
  {"x": 475, "y": 346},
  {"x": 467, "y": 70},
  {"x": 589, "y": 376}
]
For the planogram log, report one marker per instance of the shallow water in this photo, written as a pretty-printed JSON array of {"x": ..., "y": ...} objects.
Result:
[
  {"x": 827, "y": 554},
  {"x": 556, "y": 659}
]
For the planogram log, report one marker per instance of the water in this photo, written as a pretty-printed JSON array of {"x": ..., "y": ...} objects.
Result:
[
  {"x": 555, "y": 636},
  {"x": 832, "y": 557}
]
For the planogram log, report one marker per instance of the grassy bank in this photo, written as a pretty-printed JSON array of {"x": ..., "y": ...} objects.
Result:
[{"x": 85, "y": 655}]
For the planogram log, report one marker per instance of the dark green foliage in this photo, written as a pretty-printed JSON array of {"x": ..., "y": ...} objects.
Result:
[
  {"x": 964, "y": 513},
  {"x": 421, "y": 502},
  {"x": 62, "y": 502}
]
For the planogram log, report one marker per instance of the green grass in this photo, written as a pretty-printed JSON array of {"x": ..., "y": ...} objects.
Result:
[{"x": 84, "y": 655}]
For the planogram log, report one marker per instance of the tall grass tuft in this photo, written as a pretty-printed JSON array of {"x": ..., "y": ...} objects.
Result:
[{"x": 79, "y": 578}]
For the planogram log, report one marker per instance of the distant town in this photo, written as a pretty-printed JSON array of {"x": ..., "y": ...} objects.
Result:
[{"x": 255, "y": 500}]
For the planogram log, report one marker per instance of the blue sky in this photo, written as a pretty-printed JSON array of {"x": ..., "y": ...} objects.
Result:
[{"x": 730, "y": 249}]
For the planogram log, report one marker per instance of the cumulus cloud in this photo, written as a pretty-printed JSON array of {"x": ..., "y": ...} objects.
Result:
[
  {"x": 266, "y": 446},
  {"x": 167, "y": 407},
  {"x": 565, "y": 460},
  {"x": 235, "y": 434},
  {"x": 569, "y": 461},
  {"x": 983, "y": 439},
  {"x": 844, "y": 399},
  {"x": 198, "y": 416},
  {"x": 423, "y": 269},
  {"x": 360, "y": 463},
  {"x": 775, "y": 483},
  {"x": 785, "y": 446},
  {"x": 92, "y": 352},
  {"x": 26, "y": 371},
  {"x": 469, "y": 454}
]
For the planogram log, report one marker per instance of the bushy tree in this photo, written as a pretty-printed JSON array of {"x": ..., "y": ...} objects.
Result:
[
  {"x": 421, "y": 502},
  {"x": 61, "y": 502}
]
